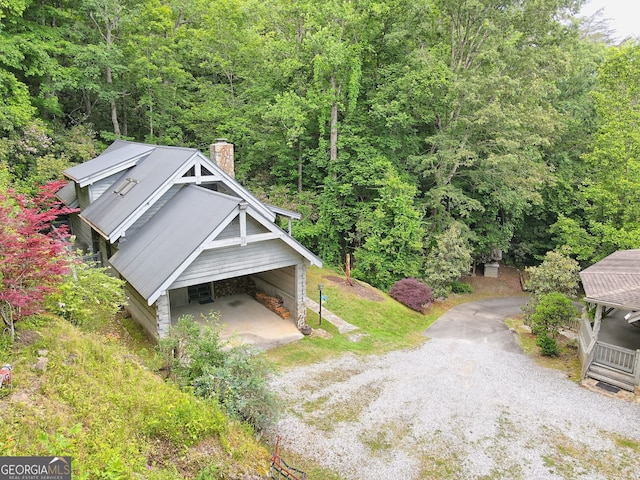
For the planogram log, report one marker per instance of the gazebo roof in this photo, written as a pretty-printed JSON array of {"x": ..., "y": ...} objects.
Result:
[{"x": 614, "y": 280}]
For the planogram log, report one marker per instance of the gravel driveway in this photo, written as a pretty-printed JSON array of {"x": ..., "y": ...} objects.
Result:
[{"x": 466, "y": 404}]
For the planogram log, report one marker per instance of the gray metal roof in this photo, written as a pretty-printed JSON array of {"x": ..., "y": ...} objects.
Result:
[
  {"x": 171, "y": 236},
  {"x": 67, "y": 195},
  {"x": 614, "y": 280},
  {"x": 119, "y": 156},
  {"x": 112, "y": 209}
]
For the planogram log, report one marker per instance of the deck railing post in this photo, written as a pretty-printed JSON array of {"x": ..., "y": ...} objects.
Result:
[{"x": 636, "y": 369}]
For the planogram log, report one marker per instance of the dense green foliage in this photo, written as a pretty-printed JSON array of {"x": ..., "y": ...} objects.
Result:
[
  {"x": 88, "y": 296},
  {"x": 548, "y": 346},
  {"x": 448, "y": 260},
  {"x": 552, "y": 311},
  {"x": 384, "y": 122},
  {"x": 233, "y": 377},
  {"x": 557, "y": 274}
]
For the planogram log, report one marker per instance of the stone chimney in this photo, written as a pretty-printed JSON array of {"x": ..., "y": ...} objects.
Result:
[{"x": 221, "y": 153}]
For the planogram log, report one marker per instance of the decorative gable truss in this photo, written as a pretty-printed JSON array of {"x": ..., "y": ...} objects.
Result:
[{"x": 243, "y": 227}]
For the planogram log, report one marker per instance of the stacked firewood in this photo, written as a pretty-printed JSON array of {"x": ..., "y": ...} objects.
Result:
[
  {"x": 275, "y": 304},
  {"x": 234, "y": 286}
]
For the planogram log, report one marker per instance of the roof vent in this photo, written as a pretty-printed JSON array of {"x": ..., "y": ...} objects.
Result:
[{"x": 125, "y": 186}]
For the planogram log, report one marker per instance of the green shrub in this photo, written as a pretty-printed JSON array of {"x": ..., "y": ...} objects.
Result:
[
  {"x": 240, "y": 386},
  {"x": 191, "y": 348},
  {"x": 461, "y": 287},
  {"x": 552, "y": 312},
  {"x": 558, "y": 273},
  {"x": 88, "y": 296},
  {"x": 548, "y": 346},
  {"x": 235, "y": 378},
  {"x": 448, "y": 259}
]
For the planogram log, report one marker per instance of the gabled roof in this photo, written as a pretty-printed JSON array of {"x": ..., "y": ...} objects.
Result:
[
  {"x": 614, "y": 280},
  {"x": 126, "y": 200},
  {"x": 155, "y": 166},
  {"x": 118, "y": 157},
  {"x": 172, "y": 235},
  {"x": 179, "y": 226},
  {"x": 67, "y": 195}
]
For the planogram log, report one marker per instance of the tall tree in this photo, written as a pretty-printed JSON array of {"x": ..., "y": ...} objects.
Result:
[
  {"x": 391, "y": 235},
  {"x": 610, "y": 192}
]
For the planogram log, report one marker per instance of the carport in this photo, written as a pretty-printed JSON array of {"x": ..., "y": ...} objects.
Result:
[{"x": 242, "y": 320}]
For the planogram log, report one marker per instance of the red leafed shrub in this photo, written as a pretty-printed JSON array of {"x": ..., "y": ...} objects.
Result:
[
  {"x": 33, "y": 256},
  {"x": 412, "y": 293}
]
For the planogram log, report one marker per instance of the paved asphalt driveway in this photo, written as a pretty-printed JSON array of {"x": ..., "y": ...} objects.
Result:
[
  {"x": 480, "y": 322},
  {"x": 467, "y": 404}
]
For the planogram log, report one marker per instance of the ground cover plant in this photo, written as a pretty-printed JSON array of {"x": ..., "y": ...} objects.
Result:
[
  {"x": 235, "y": 378},
  {"x": 94, "y": 401}
]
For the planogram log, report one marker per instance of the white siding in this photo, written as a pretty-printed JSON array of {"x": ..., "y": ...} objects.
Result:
[
  {"x": 141, "y": 312},
  {"x": 217, "y": 264}
]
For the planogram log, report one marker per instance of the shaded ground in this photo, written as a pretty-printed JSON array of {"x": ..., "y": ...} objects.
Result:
[{"x": 507, "y": 283}]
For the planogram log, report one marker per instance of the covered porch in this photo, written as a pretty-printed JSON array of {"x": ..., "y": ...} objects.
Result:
[
  {"x": 609, "y": 348},
  {"x": 609, "y": 337}
]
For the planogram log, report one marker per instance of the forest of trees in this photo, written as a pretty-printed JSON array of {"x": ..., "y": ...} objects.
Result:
[{"x": 397, "y": 128}]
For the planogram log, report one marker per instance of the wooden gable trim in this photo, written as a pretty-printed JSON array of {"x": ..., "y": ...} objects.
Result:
[
  {"x": 274, "y": 232},
  {"x": 229, "y": 242},
  {"x": 290, "y": 241}
]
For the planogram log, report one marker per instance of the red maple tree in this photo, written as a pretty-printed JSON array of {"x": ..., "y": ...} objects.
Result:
[{"x": 33, "y": 253}]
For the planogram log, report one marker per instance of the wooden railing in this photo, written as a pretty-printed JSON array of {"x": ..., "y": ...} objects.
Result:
[{"x": 615, "y": 357}]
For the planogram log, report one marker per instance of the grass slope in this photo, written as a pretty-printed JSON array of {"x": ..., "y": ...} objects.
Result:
[
  {"x": 97, "y": 403},
  {"x": 383, "y": 325}
]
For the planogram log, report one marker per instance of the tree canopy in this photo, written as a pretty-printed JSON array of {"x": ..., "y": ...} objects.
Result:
[{"x": 385, "y": 122}]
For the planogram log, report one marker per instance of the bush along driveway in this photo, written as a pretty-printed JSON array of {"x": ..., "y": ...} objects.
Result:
[{"x": 466, "y": 404}]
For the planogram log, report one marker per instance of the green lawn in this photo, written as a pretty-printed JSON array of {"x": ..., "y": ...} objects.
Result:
[{"x": 383, "y": 326}]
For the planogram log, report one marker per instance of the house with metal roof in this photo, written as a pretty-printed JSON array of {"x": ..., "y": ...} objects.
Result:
[
  {"x": 175, "y": 223},
  {"x": 609, "y": 333}
]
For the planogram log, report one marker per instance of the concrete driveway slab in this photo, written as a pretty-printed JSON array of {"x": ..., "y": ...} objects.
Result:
[{"x": 244, "y": 320}]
